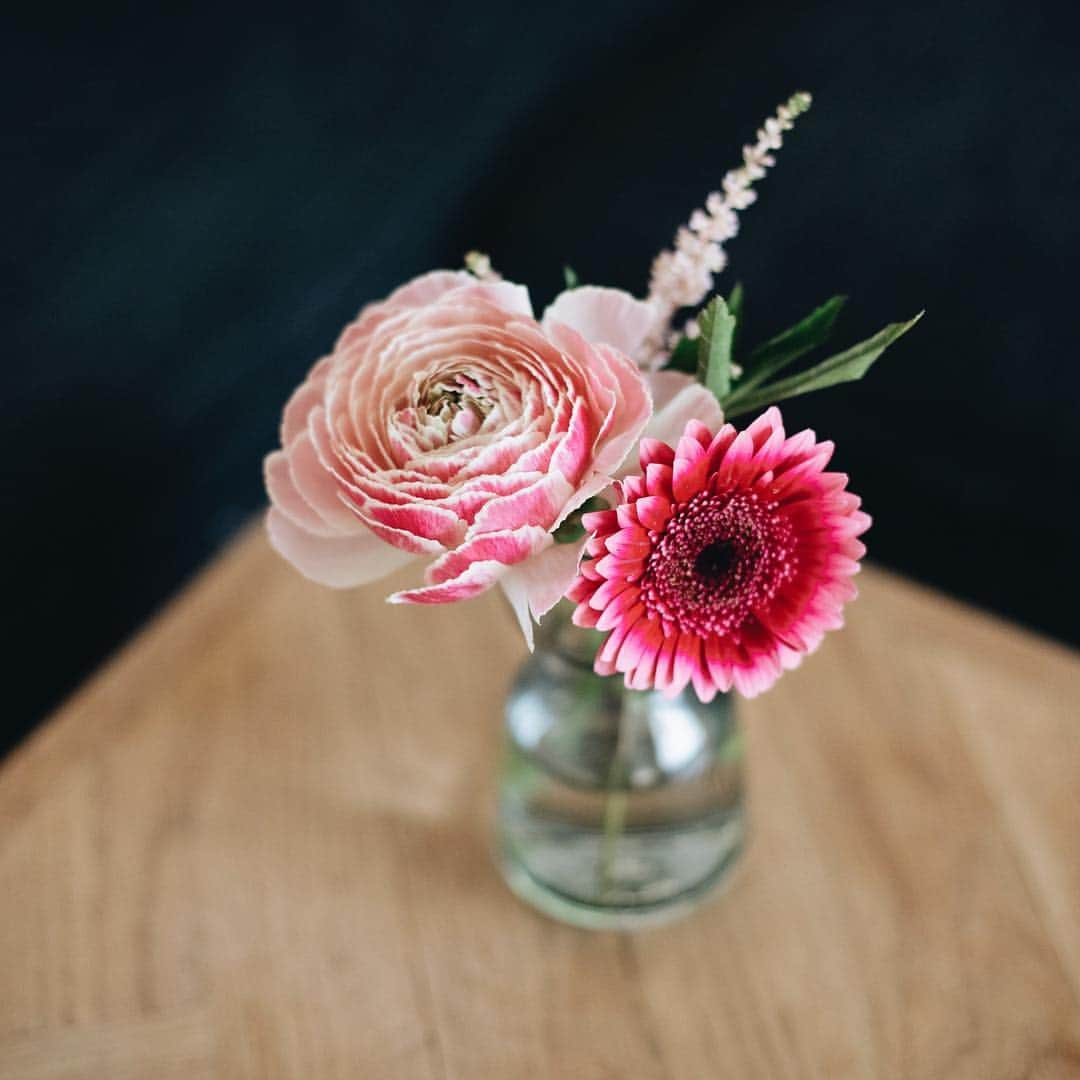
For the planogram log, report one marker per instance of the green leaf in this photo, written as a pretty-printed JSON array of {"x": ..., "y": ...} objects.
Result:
[
  {"x": 735, "y": 306},
  {"x": 735, "y": 301},
  {"x": 572, "y": 530},
  {"x": 777, "y": 353},
  {"x": 714, "y": 347},
  {"x": 570, "y": 277},
  {"x": 684, "y": 356},
  {"x": 850, "y": 365}
]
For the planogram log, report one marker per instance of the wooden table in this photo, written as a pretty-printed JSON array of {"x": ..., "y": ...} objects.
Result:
[{"x": 256, "y": 846}]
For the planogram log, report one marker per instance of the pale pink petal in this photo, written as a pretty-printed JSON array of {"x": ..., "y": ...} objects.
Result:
[
  {"x": 340, "y": 562},
  {"x": 616, "y": 375},
  {"x": 572, "y": 454},
  {"x": 513, "y": 299},
  {"x": 603, "y": 316},
  {"x": 429, "y": 287},
  {"x": 545, "y": 577},
  {"x": 418, "y": 293},
  {"x": 596, "y": 485},
  {"x": 634, "y": 411},
  {"x": 517, "y": 594},
  {"x": 677, "y": 399},
  {"x": 306, "y": 397},
  {"x": 283, "y": 494},
  {"x": 319, "y": 488}
]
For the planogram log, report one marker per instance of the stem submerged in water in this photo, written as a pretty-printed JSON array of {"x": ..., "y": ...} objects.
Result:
[
  {"x": 616, "y": 795},
  {"x": 614, "y": 820}
]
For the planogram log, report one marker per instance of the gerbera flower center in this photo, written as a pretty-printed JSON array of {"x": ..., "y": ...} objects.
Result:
[
  {"x": 721, "y": 558},
  {"x": 714, "y": 561}
]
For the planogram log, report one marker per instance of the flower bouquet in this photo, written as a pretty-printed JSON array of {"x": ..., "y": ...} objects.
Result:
[{"x": 589, "y": 457}]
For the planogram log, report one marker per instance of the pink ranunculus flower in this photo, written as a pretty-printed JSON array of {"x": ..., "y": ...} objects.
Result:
[{"x": 449, "y": 424}]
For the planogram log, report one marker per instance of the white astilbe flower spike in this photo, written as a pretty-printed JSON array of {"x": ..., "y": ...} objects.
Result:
[{"x": 683, "y": 277}]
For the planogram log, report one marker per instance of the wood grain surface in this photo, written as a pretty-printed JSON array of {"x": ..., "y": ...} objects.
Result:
[{"x": 256, "y": 845}]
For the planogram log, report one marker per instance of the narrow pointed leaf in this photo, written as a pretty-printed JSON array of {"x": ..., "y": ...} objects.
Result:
[
  {"x": 684, "y": 357},
  {"x": 735, "y": 306},
  {"x": 714, "y": 347},
  {"x": 777, "y": 353},
  {"x": 850, "y": 365}
]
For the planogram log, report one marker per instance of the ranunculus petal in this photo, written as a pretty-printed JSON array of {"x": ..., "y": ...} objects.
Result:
[
  {"x": 596, "y": 485},
  {"x": 634, "y": 410},
  {"x": 513, "y": 299},
  {"x": 540, "y": 504},
  {"x": 318, "y": 487},
  {"x": 546, "y": 576},
  {"x": 518, "y": 596},
  {"x": 678, "y": 399},
  {"x": 603, "y": 316},
  {"x": 305, "y": 397},
  {"x": 507, "y": 547},
  {"x": 341, "y": 561},
  {"x": 420, "y": 519},
  {"x": 283, "y": 494},
  {"x": 420, "y": 292},
  {"x": 478, "y": 578},
  {"x": 427, "y": 288}
]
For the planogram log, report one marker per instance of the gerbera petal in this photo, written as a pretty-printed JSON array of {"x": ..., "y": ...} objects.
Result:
[
  {"x": 653, "y": 450},
  {"x": 619, "y": 610},
  {"x": 629, "y": 543},
  {"x": 689, "y": 470},
  {"x": 644, "y": 639},
  {"x": 653, "y": 511},
  {"x": 658, "y": 480}
]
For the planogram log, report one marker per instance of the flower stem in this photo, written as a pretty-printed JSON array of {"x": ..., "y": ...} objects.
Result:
[
  {"x": 614, "y": 820},
  {"x": 616, "y": 797}
]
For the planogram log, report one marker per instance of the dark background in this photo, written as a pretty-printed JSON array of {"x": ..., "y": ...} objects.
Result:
[{"x": 197, "y": 201}]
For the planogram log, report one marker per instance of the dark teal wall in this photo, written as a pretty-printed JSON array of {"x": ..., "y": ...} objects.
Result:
[{"x": 197, "y": 201}]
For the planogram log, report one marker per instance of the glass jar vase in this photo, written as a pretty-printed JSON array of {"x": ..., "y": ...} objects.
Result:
[{"x": 617, "y": 808}]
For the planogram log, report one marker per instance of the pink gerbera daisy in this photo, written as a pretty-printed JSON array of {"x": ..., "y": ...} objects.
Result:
[{"x": 724, "y": 563}]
